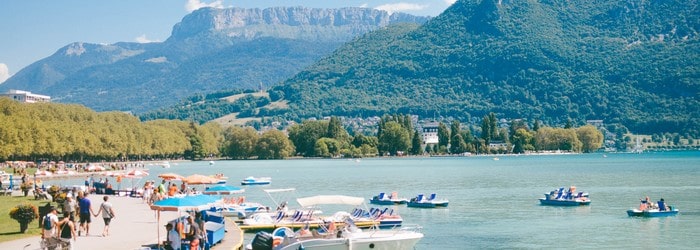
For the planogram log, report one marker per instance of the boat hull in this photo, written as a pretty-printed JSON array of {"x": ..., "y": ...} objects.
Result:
[
  {"x": 564, "y": 203},
  {"x": 387, "y": 202},
  {"x": 651, "y": 213},
  {"x": 248, "y": 183},
  {"x": 427, "y": 204},
  {"x": 384, "y": 240}
]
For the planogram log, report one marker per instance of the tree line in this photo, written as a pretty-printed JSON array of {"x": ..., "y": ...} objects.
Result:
[{"x": 75, "y": 133}]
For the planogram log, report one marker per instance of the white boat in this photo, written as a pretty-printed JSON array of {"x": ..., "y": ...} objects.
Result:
[
  {"x": 250, "y": 180},
  {"x": 330, "y": 238}
]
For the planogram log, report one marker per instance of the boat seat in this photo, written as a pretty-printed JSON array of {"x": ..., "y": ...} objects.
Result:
[
  {"x": 280, "y": 216},
  {"x": 662, "y": 206},
  {"x": 432, "y": 196}
]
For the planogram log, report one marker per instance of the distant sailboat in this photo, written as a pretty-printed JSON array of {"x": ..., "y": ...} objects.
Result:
[{"x": 211, "y": 163}]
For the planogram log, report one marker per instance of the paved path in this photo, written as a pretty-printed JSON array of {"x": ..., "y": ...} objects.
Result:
[{"x": 134, "y": 225}]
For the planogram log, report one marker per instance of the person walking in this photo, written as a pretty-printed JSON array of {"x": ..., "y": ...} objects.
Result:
[
  {"x": 85, "y": 212},
  {"x": 69, "y": 207},
  {"x": 107, "y": 214},
  {"x": 49, "y": 229},
  {"x": 66, "y": 232}
]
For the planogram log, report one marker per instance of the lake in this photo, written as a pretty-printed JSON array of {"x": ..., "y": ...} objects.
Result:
[{"x": 494, "y": 203}]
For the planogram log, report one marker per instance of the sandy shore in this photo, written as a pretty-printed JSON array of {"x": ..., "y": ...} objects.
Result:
[{"x": 134, "y": 225}]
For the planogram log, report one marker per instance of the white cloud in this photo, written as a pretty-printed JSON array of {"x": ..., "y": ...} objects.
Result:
[
  {"x": 143, "y": 39},
  {"x": 4, "y": 72},
  {"x": 450, "y": 2},
  {"x": 193, "y": 5},
  {"x": 161, "y": 59},
  {"x": 400, "y": 7}
]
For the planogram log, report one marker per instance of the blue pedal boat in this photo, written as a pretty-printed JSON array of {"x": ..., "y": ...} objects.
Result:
[{"x": 430, "y": 202}]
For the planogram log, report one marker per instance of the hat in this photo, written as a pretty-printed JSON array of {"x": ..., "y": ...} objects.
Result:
[{"x": 168, "y": 225}]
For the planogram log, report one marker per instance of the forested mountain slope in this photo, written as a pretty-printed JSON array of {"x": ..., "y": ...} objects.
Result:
[{"x": 630, "y": 62}]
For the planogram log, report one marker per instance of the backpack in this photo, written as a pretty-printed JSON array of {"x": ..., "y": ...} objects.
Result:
[{"x": 48, "y": 224}]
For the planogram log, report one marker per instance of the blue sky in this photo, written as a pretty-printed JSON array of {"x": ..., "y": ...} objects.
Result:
[{"x": 34, "y": 29}]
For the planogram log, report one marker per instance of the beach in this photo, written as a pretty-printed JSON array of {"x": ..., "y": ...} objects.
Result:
[{"x": 134, "y": 225}]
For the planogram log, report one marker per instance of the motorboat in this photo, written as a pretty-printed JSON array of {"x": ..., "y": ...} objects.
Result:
[
  {"x": 392, "y": 199},
  {"x": 334, "y": 235},
  {"x": 427, "y": 202},
  {"x": 250, "y": 180},
  {"x": 566, "y": 199}
]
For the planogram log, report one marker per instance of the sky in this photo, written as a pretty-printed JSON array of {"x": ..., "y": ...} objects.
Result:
[{"x": 31, "y": 30}]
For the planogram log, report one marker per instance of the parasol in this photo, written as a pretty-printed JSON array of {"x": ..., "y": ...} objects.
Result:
[
  {"x": 170, "y": 176},
  {"x": 200, "y": 179}
]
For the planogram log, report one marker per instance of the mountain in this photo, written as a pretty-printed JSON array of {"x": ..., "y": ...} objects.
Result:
[
  {"x": 630, "y": 62},
  {"x": 209, "y": 50}
]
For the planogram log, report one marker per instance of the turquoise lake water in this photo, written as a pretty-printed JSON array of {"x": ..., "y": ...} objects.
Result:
[{"x": 494, "y": 203}]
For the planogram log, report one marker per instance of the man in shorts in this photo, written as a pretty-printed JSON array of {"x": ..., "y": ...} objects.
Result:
[
  {"x": 49, "y": 229},
  {"x": 85, "y": 213}
]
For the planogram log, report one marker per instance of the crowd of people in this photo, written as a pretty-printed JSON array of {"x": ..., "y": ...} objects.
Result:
[
  {"x": 153, "y": 193},
  {"x": 66, "y": 230}
]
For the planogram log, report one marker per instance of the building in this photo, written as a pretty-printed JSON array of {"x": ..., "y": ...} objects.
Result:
[
  {"x": 26, "y": 96},
  {"x": 430, "y": 133}
]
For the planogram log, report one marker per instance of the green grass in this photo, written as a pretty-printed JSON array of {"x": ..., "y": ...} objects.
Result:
[{"x": 9, "y": 228}]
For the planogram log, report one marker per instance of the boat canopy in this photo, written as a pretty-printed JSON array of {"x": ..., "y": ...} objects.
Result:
[{"x": 329, "y": 200}]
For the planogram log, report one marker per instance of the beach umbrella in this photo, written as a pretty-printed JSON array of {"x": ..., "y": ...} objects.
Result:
[
  {"x": 170, "y": 176},
  {"x": 200, "y": 179},
  {"x": 223, "y": 190},
  {"x": 182, "y": 203},
  {"x": 135, "y": 173}
]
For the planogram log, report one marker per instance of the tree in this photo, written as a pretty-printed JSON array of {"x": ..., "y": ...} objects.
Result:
[
  {"x": 305, "y": 135},
  {"x": 493, "y": 128},
  {"x": 394, "y": 138},
  {"x": 443, "y": 135},
  {"x": 456, "y": 139},
  {"x": 274, "y": 144},
  {"x": 536, "y": 125},
  {"x": 196, "y": 152},
  {"x": 416, "y": 144},
  {"x": 522, "y": 140},
  {"x": 591, "y": 139},
  {"x": 240, "y": 142},
  {"x": 568, "y": 124},
  {"x": 457, "y": 145},
  {"x": 486, "y": 129},
  {"x": 327, "y": 147}
]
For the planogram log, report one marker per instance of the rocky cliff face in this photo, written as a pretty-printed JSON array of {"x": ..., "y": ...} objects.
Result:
[{"x": 288, "y": 22}]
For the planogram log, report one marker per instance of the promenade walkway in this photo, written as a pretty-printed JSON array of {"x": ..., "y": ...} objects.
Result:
[{"x": 134, "y": 225}]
